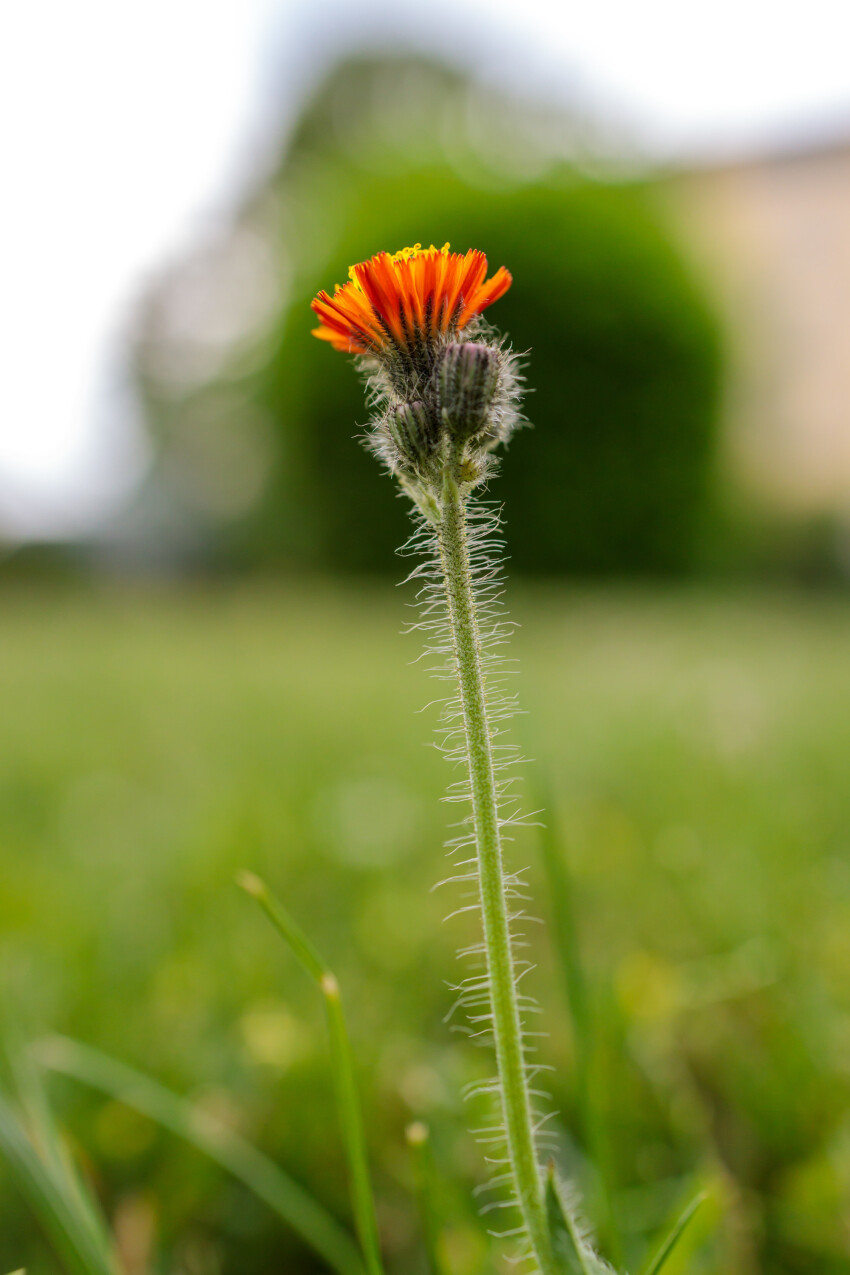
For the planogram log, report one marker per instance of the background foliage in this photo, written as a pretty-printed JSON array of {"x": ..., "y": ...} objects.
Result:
[
  {"x": 695, "y": 748},
  {"x": 625, "y": 353}
]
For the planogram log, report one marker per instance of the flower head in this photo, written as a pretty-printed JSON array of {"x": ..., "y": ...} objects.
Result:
[
  {"x": 442, "y": 398},
  {"x": 409, "y": 300}
]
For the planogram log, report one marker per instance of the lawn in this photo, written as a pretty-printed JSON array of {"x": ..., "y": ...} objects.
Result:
[{"x": 693, "y": 750}]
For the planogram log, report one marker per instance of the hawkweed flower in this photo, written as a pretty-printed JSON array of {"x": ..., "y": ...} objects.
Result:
[
  {"x": 445, "y": 392},
  {"x": 408, "y": 300},
  {"x": 444, "y": 387}
]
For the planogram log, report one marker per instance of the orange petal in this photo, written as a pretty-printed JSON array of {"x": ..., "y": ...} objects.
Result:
[
  {"x": 376, "y": 279},
  {"x": 486, "y": 295}
]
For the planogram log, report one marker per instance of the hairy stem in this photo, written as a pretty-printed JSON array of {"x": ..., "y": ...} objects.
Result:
[{"x": 504, "y": 1005}]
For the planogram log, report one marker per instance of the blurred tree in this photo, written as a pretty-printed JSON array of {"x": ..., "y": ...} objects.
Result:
[{"x": 255, "y": 418}]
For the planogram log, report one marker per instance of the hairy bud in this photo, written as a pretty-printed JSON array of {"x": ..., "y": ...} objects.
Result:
[
  {"x": 467, "y": 377},
  {"x": 412, "y": 430}
]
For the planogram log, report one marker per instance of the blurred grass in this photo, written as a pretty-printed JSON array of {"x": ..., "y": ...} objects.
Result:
[{"x": 154, "y": 742}]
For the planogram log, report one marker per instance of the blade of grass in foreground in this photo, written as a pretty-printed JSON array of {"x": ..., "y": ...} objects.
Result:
[
  {"x": 565, "y": 933},
  {"x": 255, "y": 1170},
  {"x": 573, "y": 1252},
  {"x": 670, "y": 1241},
  {"x": 82, "y": 1249},
  {"x": 342, "y": 1059},
  {"x": 419, "y": 1140},
  {"x": 41, "y": 1128}
]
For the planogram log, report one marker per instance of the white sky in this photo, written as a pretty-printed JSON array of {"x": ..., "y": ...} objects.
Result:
[{"x": 128, "y": 127}]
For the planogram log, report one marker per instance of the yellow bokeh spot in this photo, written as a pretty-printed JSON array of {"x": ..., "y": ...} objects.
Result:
[
  {"x": 650, "y": 988},
  {"x": 273, "y": 1038}
]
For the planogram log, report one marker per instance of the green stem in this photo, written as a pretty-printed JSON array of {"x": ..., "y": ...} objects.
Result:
[{"x": 507, "y": 1029}]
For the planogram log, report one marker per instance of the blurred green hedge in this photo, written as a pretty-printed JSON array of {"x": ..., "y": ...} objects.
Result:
[{"x": 624, "y": 355}]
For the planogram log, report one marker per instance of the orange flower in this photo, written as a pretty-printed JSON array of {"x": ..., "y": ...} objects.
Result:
[{"x": 407, "y": 298}]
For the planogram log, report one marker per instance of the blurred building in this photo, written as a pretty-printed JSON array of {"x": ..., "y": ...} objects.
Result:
[{"x": 773, "y": 234}]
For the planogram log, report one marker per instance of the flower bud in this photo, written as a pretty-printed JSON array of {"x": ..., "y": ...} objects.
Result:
[
  {"x": 467, "y": 377},
  {"x": 412, "y": 431}
]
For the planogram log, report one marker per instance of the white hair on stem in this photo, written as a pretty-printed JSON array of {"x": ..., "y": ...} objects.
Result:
[{"x": 473, "y": 994}]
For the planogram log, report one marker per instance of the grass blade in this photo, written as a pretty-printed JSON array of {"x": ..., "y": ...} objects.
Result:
[
  {"x": 567, "y": 1251},
  {"x": 565, "y": 933},
  {"x": 52, "y": 1147},
  {"x": 81, "y": 1250},
  {"x": 573, "y": 1252},
  {"x": 256, "y": 1171},
  {"x": 419, "y": 1140},
  {"x": 342, "y": 1060},
  {"x": 674, "y": 1235}
]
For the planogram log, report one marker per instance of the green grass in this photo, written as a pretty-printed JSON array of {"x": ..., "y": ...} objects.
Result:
[{"x": 698, "y": 747}]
